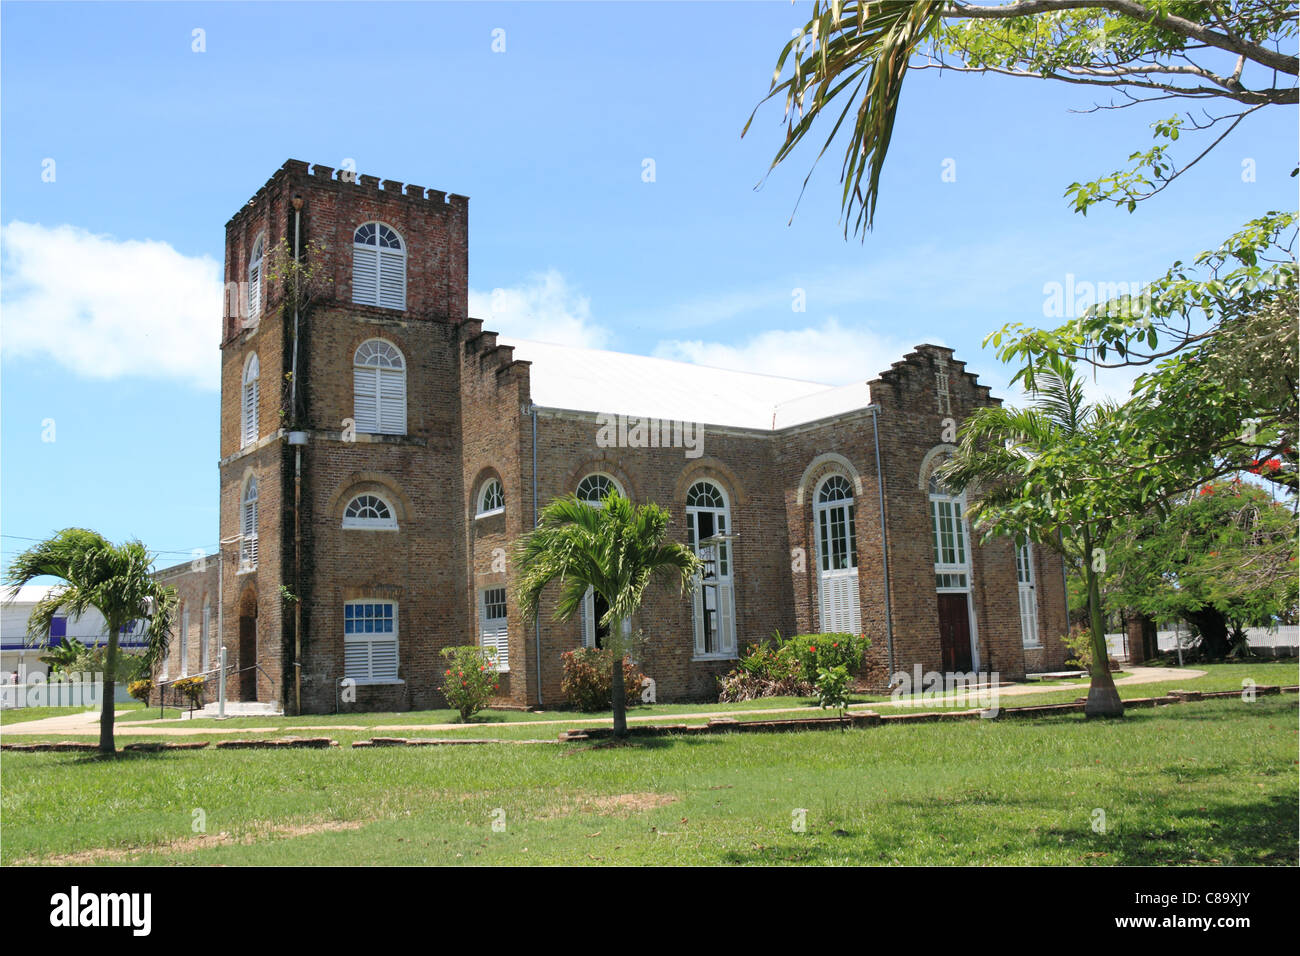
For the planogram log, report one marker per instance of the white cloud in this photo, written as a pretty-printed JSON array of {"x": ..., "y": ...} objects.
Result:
[
  {"x": 108, "y": 308},
  {"x": 544, "y": 309},
  {"x": 830, "y": 353}
]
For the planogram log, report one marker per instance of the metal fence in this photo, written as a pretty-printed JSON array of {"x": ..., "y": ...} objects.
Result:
[{"x": 1283, "y": 641}]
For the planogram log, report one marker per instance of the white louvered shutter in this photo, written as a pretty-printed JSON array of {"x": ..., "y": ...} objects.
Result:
[
  {"x": 249, "y": 415},
  {"x": 697, "y": 618},
  {"x": 365, "y": 393},
  {"x": 391, "y": 387},
  {"x": 365, "y": 276},
  {"x": 391, "y": 278},
  {"x": 250, "y": 533},
  {"x": 494, "y": 633},
  {"x": 383, "y": 658},
  {"x": 254, "y": 288}
]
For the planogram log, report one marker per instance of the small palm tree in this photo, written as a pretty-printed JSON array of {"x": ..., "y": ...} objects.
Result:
[
  {"x": 113, "y": 579},
  {"x": 613, "y": 548},
  {"x": 1040, "y": 470}
]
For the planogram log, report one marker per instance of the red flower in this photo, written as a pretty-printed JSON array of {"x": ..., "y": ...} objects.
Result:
[
  {"x": 448, "y": 673},
  {"x": 1207, "y": 490},
  {"x": 836, "y": 644},
  {"x": 1273, "y": 464},
  {"x": 813, "y": 650}
]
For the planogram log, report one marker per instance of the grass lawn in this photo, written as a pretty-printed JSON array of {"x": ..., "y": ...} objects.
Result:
[{"x": 1211, "y": 782}]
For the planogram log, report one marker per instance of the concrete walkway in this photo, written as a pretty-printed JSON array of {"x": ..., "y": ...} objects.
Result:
[{"x": 87, "y": 724}]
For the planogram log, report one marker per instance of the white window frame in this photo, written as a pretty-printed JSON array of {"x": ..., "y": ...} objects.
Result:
[
  {"x": 248, "y": 526},
  {"x": 725, "y": 592},
  {"x": 837, "y": 588},
  {"x": 949, "y": 537},
  {"x": 370, "y": 524},
  {"x": 481, "y": 511},
  {"x": 379, "y": 388},
  {"x": 494, "y": 632},
  {"x": 255, "y": 260},
  {"x": 368, "y": 639},
  {"x": 185, "y": 642},
  {"x": 249, "y": 402},
  {"x": 587, "y": 615},
  {"x": 205, "y": 634},
  {"x": 1027, "y": 593},
  {"x": 379, "y": 271},
  {"x": 595, "y": 477}
]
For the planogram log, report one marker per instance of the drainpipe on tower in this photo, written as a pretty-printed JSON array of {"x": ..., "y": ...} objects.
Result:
[
  {"x": 297, "y": 439},
  {"x": 884, "y": 538}
]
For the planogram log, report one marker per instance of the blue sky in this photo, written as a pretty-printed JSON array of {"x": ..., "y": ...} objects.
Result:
[{"x": 110, "y": 326}]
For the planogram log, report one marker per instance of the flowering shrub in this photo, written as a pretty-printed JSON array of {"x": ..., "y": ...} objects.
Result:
[
  {"x": 470, "y": 678},
  {"x": 815, "y": 652},
  {"x": 140, "y": 690},
  {"x": 588, "y": 674},
  {"x": 766, "y": 670},
  {"x": 191, "y": 687}
]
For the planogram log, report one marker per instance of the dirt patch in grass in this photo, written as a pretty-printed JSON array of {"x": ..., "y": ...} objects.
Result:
[
  {"x": 615, "y": 805},
  {"x": 192, "y": 844}
]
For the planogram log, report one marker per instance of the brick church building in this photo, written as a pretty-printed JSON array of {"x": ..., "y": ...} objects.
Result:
[{"x": 381, "y": 452}]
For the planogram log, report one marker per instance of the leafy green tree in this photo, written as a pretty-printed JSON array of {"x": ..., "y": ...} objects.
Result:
[
  {"x": 1036, "y": 471},
  {"x": 851, "y": 58},
  {"x": 615, "y": 549},
  {"x": 62, "y": 658},
  {"x": 113, "y": 579},
  {"x": 1222, "y": 559}
]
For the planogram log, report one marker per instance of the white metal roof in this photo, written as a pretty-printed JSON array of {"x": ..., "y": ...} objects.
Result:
[{"x": 617, "y": 383}]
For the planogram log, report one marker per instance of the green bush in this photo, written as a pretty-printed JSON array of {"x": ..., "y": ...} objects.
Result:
[
  {"x": 190, "y": 687},
  {"x": 470, "y": 680},
  {"x": 588, "y": 675},
  {"x": 140, "y": 690},
  {"x": 1079, "y": 643},
  {"x": 816, "y": 652},
  {"x": 833, "y": 687},
  {"x": 766, "y": 670}
]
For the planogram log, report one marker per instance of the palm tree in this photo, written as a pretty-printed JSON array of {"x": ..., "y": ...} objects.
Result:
[
  {"x": 113, "y": 579},
  {"x": 1043, "y": 469},
  {"x": 614, "y": 549}
]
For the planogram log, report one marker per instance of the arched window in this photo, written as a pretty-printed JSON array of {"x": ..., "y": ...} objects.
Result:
[
  {"x": 491, "y": 499},
  {"x": 596, "y": 487},
  {"x": 378, "y": 267},
  {"x": 379, "y": 388},
  {"x": 837, "y": 557},
  {"x": 248, "y": 405},
  {"x": 958, "y": 637},
  {"x": 248, "y": 527},
  {"x": 593, "y": 489},
  {"x": 369, "y": 511},
  {"x": 255, "y": 277},
  {"x": 708, "y": 531}
]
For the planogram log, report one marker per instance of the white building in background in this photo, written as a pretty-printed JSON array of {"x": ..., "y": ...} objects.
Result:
[{"x": 20, "y": 653}]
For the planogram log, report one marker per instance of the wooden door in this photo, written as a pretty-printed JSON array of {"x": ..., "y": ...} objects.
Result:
[
  {"x": 954, "y": 633},
  {"x": 247, "y": 658}
]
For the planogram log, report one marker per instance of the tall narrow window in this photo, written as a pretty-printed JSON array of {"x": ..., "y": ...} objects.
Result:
[
  {"x": 708, "y": 531},
  {"x": 248, "y": 403},
  {"x": 492, "y": 629},
  {"x": 185, "y": 642},
  {"x": 1028, "y": 595},
  {"x": 248, "y": 528},
  {"x": 837, "y": 557},
  {"x": 947, "y": 522},
  {"x": 378, "y": 267},
  {"x": 379, "y": 388},
  {"x": 594, "y": 489},
  {"x": 255, "y": 277},
  {"x": 205, "y": 634}
]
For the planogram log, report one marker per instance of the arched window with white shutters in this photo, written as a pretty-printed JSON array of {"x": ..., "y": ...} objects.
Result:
[
  {"x": 248, "y": 403},
  {"x": 255, "y": 277},
  {"x": 378, "y": 267},
  {"x": 592, "y": 490},
  {"x": 248, "y": 527},
  {"x": 837, "y": 557},
  {"x": 709, "y": 532},
  {"x": 369, "y": 511},
  {"x": 379, "y": 388}
]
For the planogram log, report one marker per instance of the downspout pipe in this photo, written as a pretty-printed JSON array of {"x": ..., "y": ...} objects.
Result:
[
  {"x": 537, "y": 621},
  {"x": 884, "y": 536}
]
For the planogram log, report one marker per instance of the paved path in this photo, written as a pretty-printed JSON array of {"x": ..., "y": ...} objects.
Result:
[{"x": 87, "y": 724}]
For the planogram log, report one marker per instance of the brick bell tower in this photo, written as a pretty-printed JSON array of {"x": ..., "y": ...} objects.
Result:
[{"x": 342, "y": 534}]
